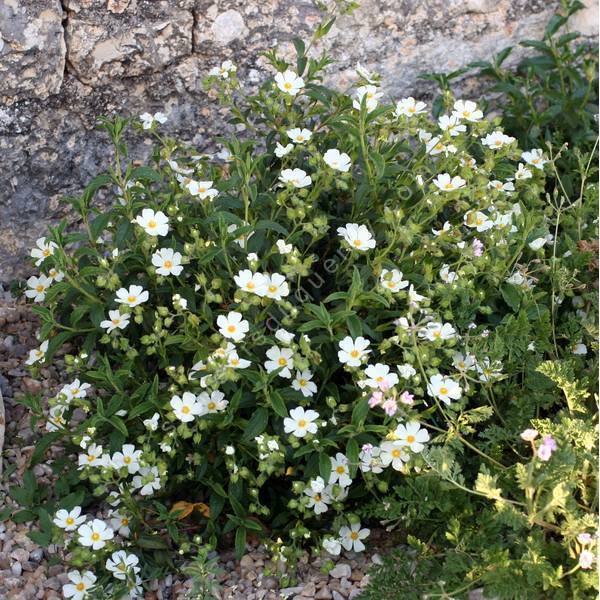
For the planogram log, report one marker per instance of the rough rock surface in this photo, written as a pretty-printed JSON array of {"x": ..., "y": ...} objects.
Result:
[{"x": 63, "y": 64}]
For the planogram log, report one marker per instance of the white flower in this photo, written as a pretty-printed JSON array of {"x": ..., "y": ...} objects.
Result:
[
  {"x": 446, "y": 183},
  {"x": 302, "y": 383},
  {"x": 128, "y": 457},
  {"x": 537, "y": 244},
  {"x": 496, "y": 140},
  {"x": 56, "y": 418},
  {"x": 340, "y": 472},
  {"x": 280, "y": 358},
  {"x": 153, "y": 223},
  {"x": 392, "y": 280},
  {"x": 412, "y": 435},
  {"x": 478, "y": 221},
  {"x": 69, "y": 520},
  {"x": 115, "y": 321},
  {"x": 436, "y": 146},
  {"x": 44, "y": 250},
  {"x": 281, "y": 151},
  {"x": 81, "y": 584},
  {"x": 233, "y": 326},
  {"x": 299, "y": 136},
  {"x": 37, "y": 287},
  {"x": 516, "y": 279},
  {"x": 55, "y": 275},
  {"x": 283, "y": 248},
  {"x": 275, "y": 287},
  {"x": 467, "y": 110},
  {"x": 147, "y": 481},
  {"x": 250, "y": 282},
  {"x": 413, "y": 297},
  {"x": 226, "y": 69},
  {"x": 122, "y": 565},
  {"x": 186, "y": 408},
  {"x": 371, "y": 96},
  {"x": 488, "y": 370},
  {"x": 300, "y": 422},
  {"x": 337, "y": 160},
  {"x": 351, "y": 537},
  {"x": 436, "y": 331},
  {"x": 213, "y": 403},
  {"x": 534, "y": 158},
  {"x": 75, "y": 390},
  {"x": 352, "y": 351},
  {"x": 445, "y": 228},
  {"x": 289, "y": 83},
  {"x": 451, "y": 124},
  {"x": 444, "y": 388},
  {"x": 502, "y": 186},
  {"x": 233, "y": 359},
  {"x": 365, "y": 73},
  {"x": 119, "y": 523},
  {"x": 580, "y": 349},
  {"x": 393, "y": 453},
  {"x": 92, "y": 458},
  {"x": 409, "y": 107},
  {"x": 406, "y": 371},
  {"x": 242, "y": 238},
  {"x": 133, "y": 296},
  {"x": 297, "y": 177},
  {"x": 38, "y": 354},
  {"x": 167, "y": 262},
  {"x": 148, "y": 120},
  {"x": 202, "y": 189},
  {"x": 357, "y": 236},
  {"x": 446, "y": 275},
  {"x": 379, "y": 375},
  {"x": 523, "y": 173},
  {"x": 284, "y": 336},
  {"x": 332, "y": 545},
  {"x": 318, "y": 500},
  {"x": 370, "y": 459},
  {"x": 151, "y": 424},
  {"x": 95, "y": 534},
  {"x": 463, "y": 363}
]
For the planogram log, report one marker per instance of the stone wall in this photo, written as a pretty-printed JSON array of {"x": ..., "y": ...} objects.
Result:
[{"x": 62, "y": 64}]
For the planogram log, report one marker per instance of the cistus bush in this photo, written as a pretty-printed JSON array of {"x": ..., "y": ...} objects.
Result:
[{"x": 349, "y": 299}]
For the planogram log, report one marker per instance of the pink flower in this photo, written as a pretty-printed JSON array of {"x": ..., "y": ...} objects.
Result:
[
  {"x": 584, "y": 538},
  {"x": 407, "y": 398},
  {"x": 586, "y": 559},
  {"x": 477, "y": 247},
  {"x": 367, "y": 448},
  {"x": 544, "y": 452},
  {"x": 384, "y": 386},
  {"x": 547, "y": 447},
  {"x": 376, "y": 399},
  {"x": 390, "y": 407}
]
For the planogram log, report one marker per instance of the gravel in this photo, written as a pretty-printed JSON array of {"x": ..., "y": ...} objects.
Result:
[{"x": 26, "y": 571}]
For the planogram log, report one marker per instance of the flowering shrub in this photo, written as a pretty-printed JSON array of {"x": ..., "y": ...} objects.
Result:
[{"x": 354, "y": 297}]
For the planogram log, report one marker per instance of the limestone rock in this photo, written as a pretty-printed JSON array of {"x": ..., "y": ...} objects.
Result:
[{"x": 32, "y": 51}]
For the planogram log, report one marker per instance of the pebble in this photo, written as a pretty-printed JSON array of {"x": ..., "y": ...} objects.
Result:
[
  {"x": 24, "y": 570},
  {"x": 341, "y": 570}
]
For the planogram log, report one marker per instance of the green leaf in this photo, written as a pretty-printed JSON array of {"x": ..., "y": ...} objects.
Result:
[
  {"x": 257, "y": 424},
  {"x": 324, "y": 466},
  {"x": 360, "y": 412},
  {"x": 278, "y": 404},
  {"x": 511, "y": 295},
  {"x": 352, "y": 455},
  {"x": 240, "y": 542}
]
